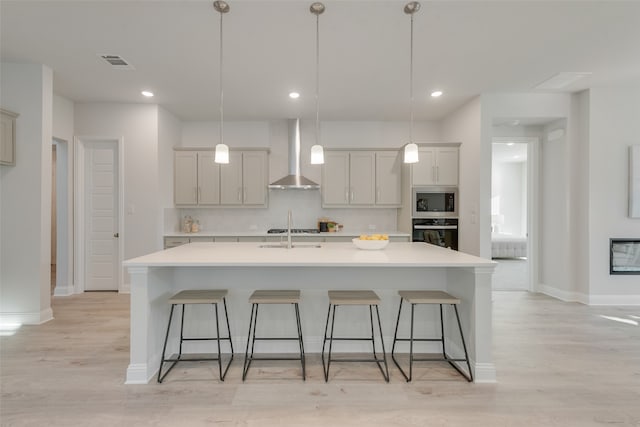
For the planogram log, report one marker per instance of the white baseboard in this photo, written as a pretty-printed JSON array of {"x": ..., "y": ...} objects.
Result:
[
  {"x": 32, "y": 318},
  {"x": 629, "y": 300},
  {"x": 63, "y": 290}
]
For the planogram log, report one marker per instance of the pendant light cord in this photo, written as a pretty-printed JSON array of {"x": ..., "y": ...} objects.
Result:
[
  {"x": 317, "y": 79},
  {"x": 411, "y": 84},
  {"x": 221, "y": 91}
]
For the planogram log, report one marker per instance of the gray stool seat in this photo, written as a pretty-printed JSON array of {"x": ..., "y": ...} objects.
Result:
[
  {"x": 430, "y": 297},
  {"x": 205, "y": 296},
  {"x": 189, "y": 297},
  {"x": 353, "y": 298},
  {"x": 270, "y": 296},
  {"x": 275, "y": 297}
]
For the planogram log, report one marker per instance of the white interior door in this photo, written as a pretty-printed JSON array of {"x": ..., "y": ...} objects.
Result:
[{"x": 101, "y": 216}]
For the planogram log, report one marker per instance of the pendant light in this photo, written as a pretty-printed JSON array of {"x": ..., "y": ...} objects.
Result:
[
  {"x": 222, "y": 150},
  {"x": 317, "y": 152},
  {"x": 411, "y": 149}
]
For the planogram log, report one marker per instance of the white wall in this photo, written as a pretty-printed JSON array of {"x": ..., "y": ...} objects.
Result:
[
  {"x": 138, "y": 125},
  {"x": 614, "y": 126},
  {"x": 25, "y": 196},
  {"x": 464, "y": 125},
  {"x": 63, "y": 133},
  {"x": 306, "y": 205},
  {"x": 508, "y": 182}
]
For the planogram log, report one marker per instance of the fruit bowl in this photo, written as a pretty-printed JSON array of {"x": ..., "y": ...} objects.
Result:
[{"x": 370, "y": 244}]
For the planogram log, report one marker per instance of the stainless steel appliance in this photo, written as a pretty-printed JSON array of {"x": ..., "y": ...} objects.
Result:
[
  {"x": 435, "y": 202},
  {"x": 437, "y": 231}
]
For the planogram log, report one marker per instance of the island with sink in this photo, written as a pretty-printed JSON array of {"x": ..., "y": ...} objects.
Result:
[{"x": 242, "y": 267}]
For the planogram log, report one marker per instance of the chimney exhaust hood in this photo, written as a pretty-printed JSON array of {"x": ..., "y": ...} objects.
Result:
[{"x": 294, "y": 181}]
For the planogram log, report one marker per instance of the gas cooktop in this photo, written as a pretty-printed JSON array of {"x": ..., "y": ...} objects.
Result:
[{"x": 293, "y": 230}]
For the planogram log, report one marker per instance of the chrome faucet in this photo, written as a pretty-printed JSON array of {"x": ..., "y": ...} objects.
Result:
[{"x": 289, "y": 246}]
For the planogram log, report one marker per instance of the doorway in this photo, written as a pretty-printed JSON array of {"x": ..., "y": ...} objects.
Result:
[
  {"x": 513, "y": 217},
  {"x": 98, "y": 210},
  {"x": 61, "y": 220}
]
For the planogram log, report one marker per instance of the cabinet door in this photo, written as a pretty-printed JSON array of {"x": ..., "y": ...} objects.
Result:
[
  {"x": 335, "y": 178},
  {"x": 362, "y": 178},
  {"x": 254, "y": 178},
  {"x": 424, "y": 172},
  {"x": 185, "y": 184},
  {"x": 231, "y": 180},
  {"x": 388, "y": 178},
  {"x": 447, "y": 166},
  {"x": 208, "y": 179}
]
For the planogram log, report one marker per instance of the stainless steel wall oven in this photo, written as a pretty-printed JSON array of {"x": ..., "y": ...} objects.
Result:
[{"x": 437, "y": 231}]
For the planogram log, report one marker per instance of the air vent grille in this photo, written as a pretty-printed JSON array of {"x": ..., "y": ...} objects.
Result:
[{"x": 117, "y": 62}]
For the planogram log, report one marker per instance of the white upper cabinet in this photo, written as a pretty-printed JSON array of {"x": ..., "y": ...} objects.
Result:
[
  {"x": 254, "y": 178},
  {"x": 437, "y": 166},
  {"x": 199, "y": 181},
  {"x": 185, "y": 182},
  {"x": 361, "y": 179},
  {"x": 388, "y": 178},
  {"x": 208, "y": 179},
  {"x": 335, "y": 178},
  {"x": 243, "y": 182}
]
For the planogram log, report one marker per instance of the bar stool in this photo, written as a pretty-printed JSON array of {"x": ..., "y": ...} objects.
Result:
[
  {"x": 272, "y": 297},
  {"x": 338, "y": 298},
  {"x": 430, "y": 297},
  {"x": 183, "y": 298}
]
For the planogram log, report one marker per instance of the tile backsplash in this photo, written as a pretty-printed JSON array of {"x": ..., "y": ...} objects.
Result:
[{"x": 306, "y": 208}]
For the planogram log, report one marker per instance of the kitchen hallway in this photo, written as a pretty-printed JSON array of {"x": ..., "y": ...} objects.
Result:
[{"x": 558, "y": 364}]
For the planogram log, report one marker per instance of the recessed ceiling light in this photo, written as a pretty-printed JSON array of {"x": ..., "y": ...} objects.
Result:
[
  {"x": 510, "y": 144},
  {"x": 436, "y": 93},
  {"x": 294, "y": 95},
  {"x": 147, "y": 93}
]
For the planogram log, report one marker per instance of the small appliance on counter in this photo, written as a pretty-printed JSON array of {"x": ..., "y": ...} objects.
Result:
[{"x": 325, "y": 225}]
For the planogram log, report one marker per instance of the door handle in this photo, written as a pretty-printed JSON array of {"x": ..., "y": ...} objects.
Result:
[{"x": 116, "y": 235}]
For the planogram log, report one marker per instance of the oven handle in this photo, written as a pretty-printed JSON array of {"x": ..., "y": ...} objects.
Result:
[{"x": 435, "y": 227}]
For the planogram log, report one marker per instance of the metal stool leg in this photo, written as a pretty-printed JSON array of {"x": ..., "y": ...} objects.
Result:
[
  {"x": 464, "y": 346},
  {"x": 300, "y": 341},
  {"x": 385, "y": 373},
  {"x": 324, "y": 342},
  {"x": 164, "y": 347},
  {"x": 247, "y": 360},
  {"x": 333, "y": 322}
]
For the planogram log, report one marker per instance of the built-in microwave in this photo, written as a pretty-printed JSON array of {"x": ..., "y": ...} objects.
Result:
[{"x": 435, "y": 202}]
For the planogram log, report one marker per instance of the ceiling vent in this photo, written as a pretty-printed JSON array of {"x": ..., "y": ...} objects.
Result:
[
  {"x": 562, "y": 81},
  {"x": 117, "y": 62}
]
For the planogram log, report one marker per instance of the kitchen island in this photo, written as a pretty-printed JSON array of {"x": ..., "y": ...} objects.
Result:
[{"x": 244, "y": 267}]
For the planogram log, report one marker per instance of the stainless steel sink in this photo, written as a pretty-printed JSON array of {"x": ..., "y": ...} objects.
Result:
[{"x": 294, "y": 246}]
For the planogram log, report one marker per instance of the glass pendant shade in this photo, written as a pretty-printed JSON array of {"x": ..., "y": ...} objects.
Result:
[
  {"x": 222, "y": 154},
  {"x": 411, "y": 153},
  {"x": 317, "y": 155}
]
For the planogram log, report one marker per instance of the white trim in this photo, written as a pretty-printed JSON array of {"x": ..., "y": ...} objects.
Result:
[
  {"x": 624, "y": 300},
  {"x": 592, "y": 300},
  {"x": 533, "y": 202},
  {"x": 28, "y": 318},
  {"x": 63, "y": 291},
  {"x": 79, "y": 223}
]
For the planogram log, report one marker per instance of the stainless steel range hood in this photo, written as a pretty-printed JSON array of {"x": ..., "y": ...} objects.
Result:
[{"x": 294, "y": 181}]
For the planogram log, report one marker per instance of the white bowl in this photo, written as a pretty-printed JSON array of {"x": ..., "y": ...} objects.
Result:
[{"x": 370, "y": 244}]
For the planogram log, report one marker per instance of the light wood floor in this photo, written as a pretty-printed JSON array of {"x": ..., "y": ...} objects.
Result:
[{"x": 559, "y": 364}]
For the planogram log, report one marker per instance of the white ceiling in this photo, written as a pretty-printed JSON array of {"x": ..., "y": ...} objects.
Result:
[{"x": 464, "y": 48}]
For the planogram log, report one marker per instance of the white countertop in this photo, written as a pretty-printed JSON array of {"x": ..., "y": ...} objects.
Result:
[
  {"x": 396, "y": 254},
  {"x": 346, "y": 233}
]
